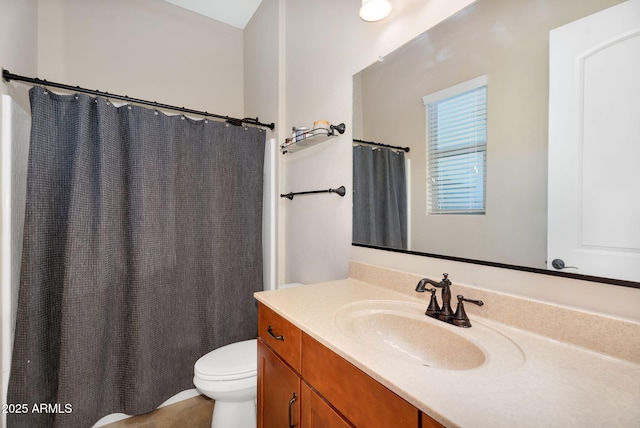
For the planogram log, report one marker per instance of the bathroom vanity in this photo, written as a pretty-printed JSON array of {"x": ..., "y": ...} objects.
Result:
[
  {"x": 360, "y": 352},
  {"x": 302, "y": 383}
]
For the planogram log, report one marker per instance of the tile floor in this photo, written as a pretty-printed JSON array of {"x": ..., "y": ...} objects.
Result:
[{"x": 193, "y": 413}]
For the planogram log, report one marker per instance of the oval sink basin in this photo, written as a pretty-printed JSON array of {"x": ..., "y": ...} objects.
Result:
[{"x": 401, "y": 330}]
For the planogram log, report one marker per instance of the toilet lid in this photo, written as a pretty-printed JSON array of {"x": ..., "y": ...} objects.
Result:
[{"x": 231, "y": 362}]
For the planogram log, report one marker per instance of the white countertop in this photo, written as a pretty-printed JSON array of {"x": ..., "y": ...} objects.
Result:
[{"x": 535, "y": 382}]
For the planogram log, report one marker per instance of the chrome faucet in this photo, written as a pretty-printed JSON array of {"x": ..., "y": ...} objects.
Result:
[{"x": 445, "y": 313}]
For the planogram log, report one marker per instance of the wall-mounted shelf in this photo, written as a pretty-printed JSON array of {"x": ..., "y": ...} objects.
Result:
[{"x": 311, "y": 138}]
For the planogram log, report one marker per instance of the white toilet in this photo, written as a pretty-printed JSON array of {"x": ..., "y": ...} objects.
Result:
[{"x": 229, "y": 376}]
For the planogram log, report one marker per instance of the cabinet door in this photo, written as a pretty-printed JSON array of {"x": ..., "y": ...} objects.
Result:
[
  {"x": 316, "y": 413},
  {"x": 278, "y": 391}
]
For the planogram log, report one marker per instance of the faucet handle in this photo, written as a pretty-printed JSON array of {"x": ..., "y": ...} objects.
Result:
[
  {"x": 434, "y": 309},
  {"x": 475, "y": 302},
  {"x": 460, "y": 318}
]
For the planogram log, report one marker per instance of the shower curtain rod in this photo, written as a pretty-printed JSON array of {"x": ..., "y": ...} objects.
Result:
[
  {"x": 6, "y": 75},
  {"x": 406, "y": 149}
]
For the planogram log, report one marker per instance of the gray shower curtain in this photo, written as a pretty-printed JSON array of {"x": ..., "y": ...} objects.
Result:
[
  {"x": 379, "y": 197},
  {"x": 142, "y": 251}
]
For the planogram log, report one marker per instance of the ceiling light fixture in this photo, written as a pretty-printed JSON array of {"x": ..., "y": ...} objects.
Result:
[{"x": 375, "y": 10}]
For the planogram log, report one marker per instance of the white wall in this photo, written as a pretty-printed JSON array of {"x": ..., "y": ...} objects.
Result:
[
  {"x": 18, "y": 43},
  {"x": 146, "y": 49},
  {"x": 262, "y": 99},
  {"x": 325, "y": 44}
]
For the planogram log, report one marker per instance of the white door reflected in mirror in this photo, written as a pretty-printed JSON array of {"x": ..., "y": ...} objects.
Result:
[{"x": 594, "y": 144}]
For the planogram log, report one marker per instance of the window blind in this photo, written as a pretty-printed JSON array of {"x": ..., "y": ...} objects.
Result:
[{"x": 456, "y": 147}]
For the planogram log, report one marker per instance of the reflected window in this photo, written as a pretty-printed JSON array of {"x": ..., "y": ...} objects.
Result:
[{"x": 456, "y": 148}]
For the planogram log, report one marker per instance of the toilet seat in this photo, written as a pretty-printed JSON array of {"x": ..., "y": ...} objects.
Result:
[{"x": 231, "y": 362}]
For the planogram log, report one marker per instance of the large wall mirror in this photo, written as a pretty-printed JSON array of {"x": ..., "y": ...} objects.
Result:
[{"x": 506, "y": 43}]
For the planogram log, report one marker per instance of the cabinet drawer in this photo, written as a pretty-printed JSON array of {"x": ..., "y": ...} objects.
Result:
[
  {"x": 361, "y": 399},
  {"x": 281, "y": 336}
]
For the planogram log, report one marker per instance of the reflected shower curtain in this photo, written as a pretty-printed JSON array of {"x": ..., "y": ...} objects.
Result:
[
  {"x": 379, "y": 197},
  {"x": 142, "y": 251}
]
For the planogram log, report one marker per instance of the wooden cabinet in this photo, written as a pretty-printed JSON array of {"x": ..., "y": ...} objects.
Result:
[
  {"x": 316, "y": 412},
  {"x": 278, "y": 371},
  {"x": 278, "y": 391},
  {"x": 280, "y": 335},
  {"x": 360, "y": 398},
  {"x": 428, "y": 422},
  {"x": 306, "y": 385}
]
